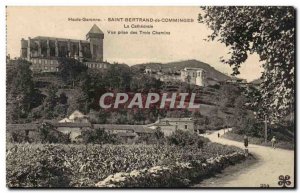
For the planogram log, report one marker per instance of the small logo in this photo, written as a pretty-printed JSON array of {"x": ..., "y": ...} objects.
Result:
[{"x": 284, "y": 181}]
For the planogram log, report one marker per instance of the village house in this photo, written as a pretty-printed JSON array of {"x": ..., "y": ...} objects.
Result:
[
  {"x": 169, "y": 125},
  {"x": 127, "y": 133},
  {"x": 193, "y": 76},
  {"x": 75, "y": 117},
  {"x": 77, "y": 122}
]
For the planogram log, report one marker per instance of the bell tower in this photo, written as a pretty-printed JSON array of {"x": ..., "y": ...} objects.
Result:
[{"x": 95, "y": 36}]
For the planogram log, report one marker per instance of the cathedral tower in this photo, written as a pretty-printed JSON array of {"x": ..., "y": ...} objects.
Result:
[{"x": 95, "y": 37}]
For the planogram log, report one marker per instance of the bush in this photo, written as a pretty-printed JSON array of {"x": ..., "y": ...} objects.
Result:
[
  {"x": 47, "y": 134},
  {"x": 98, "y": 136},
  {"x": 153, "y": 138},
  {"x": 183, "y": 139}
]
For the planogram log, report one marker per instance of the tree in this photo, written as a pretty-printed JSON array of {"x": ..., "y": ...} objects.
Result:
[
  {"x": 118, "y": 76},
  {"x": 268, "y": 32},
  {"x": 50, "y": 102},
  {"x": 20, "y": 90},
  {"x": 71, "y": 70}
]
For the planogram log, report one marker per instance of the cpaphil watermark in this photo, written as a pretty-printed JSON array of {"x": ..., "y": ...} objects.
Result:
[{"x": 149, "y": 100}]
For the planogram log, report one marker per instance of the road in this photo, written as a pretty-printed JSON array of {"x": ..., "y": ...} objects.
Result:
[{"x": 270, "y": 164}]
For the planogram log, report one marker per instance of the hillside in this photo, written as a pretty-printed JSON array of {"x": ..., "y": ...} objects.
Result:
[
  {"x": 257, "y": 81},
  {"x": 176, "y": 66}
]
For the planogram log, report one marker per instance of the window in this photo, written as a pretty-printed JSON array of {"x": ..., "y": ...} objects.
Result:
[{"x": 185, "y": 126}]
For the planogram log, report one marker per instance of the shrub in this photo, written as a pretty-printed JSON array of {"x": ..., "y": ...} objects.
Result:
[
  {"x": 47, "y": 134},
  {"x": 183, "y": 139},
  {"x": 153, "y": 138},
  {"x": 98, "y": 136}
]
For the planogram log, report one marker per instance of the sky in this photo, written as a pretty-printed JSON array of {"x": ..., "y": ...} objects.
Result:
[{"x": 186, "y": 40}]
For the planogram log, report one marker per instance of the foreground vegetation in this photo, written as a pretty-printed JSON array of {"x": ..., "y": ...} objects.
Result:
[{"x": 57, "y": 165}]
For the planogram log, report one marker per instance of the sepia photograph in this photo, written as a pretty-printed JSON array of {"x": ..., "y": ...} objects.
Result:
[{"x": 195, "y": 97}]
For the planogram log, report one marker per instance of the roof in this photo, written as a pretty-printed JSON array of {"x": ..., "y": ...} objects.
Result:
[
  {"x": 185, "y": 119},
  {"x": 126, "y": 134},
  {"x": 95, "y": 30},
  {"x": 55, "y": 124},
  {"x": 76, "y": 114},
  {"x": 59, "y": 39},
  {"x": 26, "y": 126},
  {"x": 135, "y": 128},
  {"x": 65, "y": 120}
]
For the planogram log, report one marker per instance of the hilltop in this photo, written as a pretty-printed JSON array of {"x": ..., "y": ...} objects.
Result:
[{"x": 212, "y": 73}]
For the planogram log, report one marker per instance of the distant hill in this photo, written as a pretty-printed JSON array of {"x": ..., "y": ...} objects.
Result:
[{"x": 212, "y": 73}]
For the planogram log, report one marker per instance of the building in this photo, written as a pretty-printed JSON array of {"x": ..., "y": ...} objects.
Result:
[
  {"x": 78, "y": 122},
  {"x": 44, "y": 52},
  {"x": 75, "y": 117},
  {"x": 128, "y": 133},
  {"x": 169, "y": 125},
  {"x": 193, "y": 76},
  {"x": 148, "y": 70},
  {"x": 171, "y": 76}
]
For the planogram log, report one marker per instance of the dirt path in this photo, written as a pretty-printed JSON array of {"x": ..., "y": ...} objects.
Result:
[{"x": 271, "y": 163}]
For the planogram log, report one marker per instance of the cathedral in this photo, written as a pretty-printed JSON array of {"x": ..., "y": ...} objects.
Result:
[{"x": 44, "y": 52}]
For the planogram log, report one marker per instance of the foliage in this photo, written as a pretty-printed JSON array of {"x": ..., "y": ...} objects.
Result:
[
  {"x": 32, "y": 166},
  {"x": 84, "y": 165},
  {"x": 118, "y": 77},
  {"x": 145, "y": 83},
  {"x": 228, "y": 94},
  {"x": 157, "y": 137},
  {"x": 98, "y": 136},
  {"x": 268, "y": 31},
  {"x": 53, "y": 105},
  {"x": 21, "y": 95},
  {"x": 17, "y": 137},
  {"x": 186, "y": 139},
  {"x": 47, "y": 134},
  {"x": 70, "y": 70}
]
